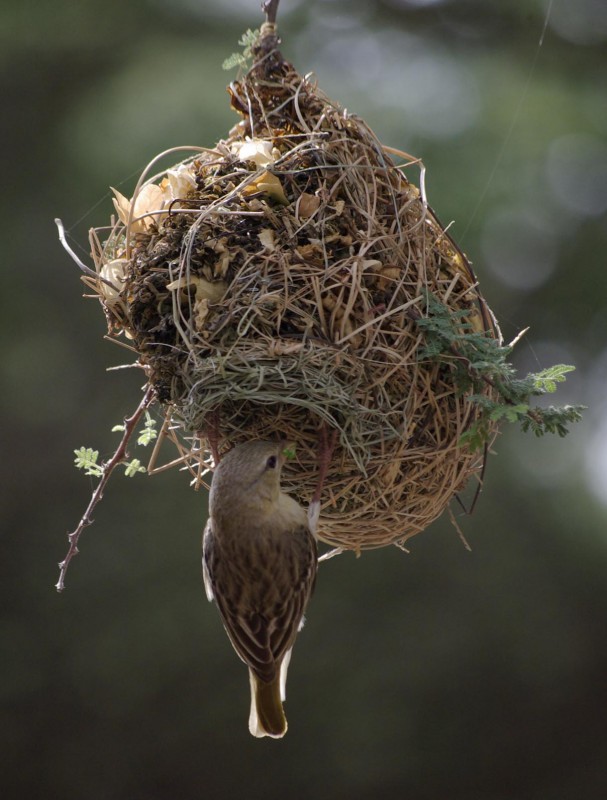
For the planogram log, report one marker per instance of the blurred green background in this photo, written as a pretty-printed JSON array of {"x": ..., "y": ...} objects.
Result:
[{"x": 437, "y": 674}]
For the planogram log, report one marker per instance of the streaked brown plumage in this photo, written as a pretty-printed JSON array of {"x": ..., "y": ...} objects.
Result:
[{"x": 259, "y": 565}]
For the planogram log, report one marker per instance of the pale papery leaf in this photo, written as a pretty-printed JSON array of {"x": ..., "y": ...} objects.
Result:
[
  {"x": 269, "y": 184},
  {"x": 150, "y": 198},
  {"x": 212, "y": 291},
  {"x": 122, "y": 205},
  {"x": 260, "y": 151},
  {"x": 266, "y": 237},
  {"x": 114, "y": 272},
  {"x": 308, "y": 204},
  {"x": 181, "y": 181}
]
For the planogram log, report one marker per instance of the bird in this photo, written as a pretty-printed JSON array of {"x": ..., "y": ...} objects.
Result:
[{"x": 259, "y": 566}]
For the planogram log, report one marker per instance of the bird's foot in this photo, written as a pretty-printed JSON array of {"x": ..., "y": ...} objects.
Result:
[
  {"x": 325, "y": 453},
  {"x": 213, "y": 435}
]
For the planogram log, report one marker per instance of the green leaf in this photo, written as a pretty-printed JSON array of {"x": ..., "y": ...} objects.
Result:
[
  {"x": 547, "y": 379},
  {"x": 235, "y": 60},
  {"x": 148, "y": 433},
  {"x": 476, "y": 361},
  {"x": 510, "y": 413},
  {"x": 133, "y": 467},
  {"x": 246, "y": 41},
  {"x": 86, "y": 459}
]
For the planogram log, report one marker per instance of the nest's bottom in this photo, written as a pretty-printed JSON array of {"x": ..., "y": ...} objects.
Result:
[
  {"x": 402, "y": 493},
  {"x": 402, "y": 488}
]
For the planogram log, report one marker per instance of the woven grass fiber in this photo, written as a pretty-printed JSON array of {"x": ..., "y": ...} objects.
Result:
[{"x": 271, "y": 286}]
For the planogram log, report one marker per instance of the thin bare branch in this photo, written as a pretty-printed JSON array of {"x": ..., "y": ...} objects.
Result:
[
  {"x": 78, "y": 261},
  {"x": 270, "y": 9},
  {"x": 130, "y": 423}
]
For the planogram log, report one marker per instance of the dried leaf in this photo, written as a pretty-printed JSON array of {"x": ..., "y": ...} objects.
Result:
[
  {"x": 151, "y": 198},
  {"x": 260, "y": 151},
  {"x": 307, "y": 205},
  {"x": 122, "y": 205},
  {"x": 222, "y": 264},
  {"x": 181, "y": 181},
  {"x": 266, "y": 237},
  {"x": 388, "y": 275},
  {"x": 212, "y": 291},
  {"x": 267, "y": 184},
  {"x": 201, "y": 310},
  {"x": 370, "y": 264},
  {"x": 114, "y": 272},
  {"x": 312, "y": 253}
]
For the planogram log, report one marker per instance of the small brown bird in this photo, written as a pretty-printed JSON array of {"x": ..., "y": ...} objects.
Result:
[{"x": 259, "y": 565}]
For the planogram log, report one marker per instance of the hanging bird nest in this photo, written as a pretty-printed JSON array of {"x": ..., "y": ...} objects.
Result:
[{"x": 273, "y": 286}]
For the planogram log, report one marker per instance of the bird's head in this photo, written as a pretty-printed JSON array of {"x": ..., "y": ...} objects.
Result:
[{"x": 249, "y": 475}]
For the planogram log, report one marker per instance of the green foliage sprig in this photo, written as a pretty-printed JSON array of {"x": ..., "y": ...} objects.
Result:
[
  {"x": 477, "y": 360},
  {"x": 87, "y": 458},
  {"x": 147, "y": 434},
  {"x": 246, "y": 41}
]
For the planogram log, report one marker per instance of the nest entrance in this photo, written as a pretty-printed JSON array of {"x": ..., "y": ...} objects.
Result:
[{"x": 274, "y": 284}]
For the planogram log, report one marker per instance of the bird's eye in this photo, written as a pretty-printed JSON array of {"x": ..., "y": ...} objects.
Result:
[{"x": 271, "y": 462}]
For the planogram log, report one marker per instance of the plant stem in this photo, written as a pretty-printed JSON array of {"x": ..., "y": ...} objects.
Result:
[
  {"x": 130, "y": 423},
  {"x": 270, "y": 9}
]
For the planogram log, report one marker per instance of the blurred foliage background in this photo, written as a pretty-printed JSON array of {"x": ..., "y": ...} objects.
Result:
[{"x": 441, "y": 673}]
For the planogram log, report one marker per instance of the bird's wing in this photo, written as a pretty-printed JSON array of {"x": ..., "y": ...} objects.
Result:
[
  {"x": 207, "y": 544},
  {"x": 313, "y": 517},
  {"x": 262, "y": 617}
]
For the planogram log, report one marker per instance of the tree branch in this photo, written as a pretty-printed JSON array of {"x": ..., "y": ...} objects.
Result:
[
  {"x": 78, "y": 261},
  {"x": 270, "y": 9},
  {"x": 130, "y": 423}
]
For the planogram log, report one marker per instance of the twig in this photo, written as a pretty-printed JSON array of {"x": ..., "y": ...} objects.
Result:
[
  {"x": 268, "y": 34},
  {"x": 326, "y": 450},
  {"x": 130, "y": 423},
  {"x": 78, "y": 261},
  {"x": 463, "y": 539},
  {"x": 270, "y": 9}
]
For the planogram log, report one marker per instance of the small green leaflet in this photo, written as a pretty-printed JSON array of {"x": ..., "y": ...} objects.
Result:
[
  {"x": 86, "y": 459},
  {"x": 246, "y": 41},
  {"x": 547, "y": 379},
  {"x": 148, "y": 434},
  {"x": 133, "y": 467}
]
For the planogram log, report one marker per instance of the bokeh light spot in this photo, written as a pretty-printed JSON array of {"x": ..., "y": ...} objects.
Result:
[
  {"x": 576, "y": 168},
  {"x": 519, "y": 248}
]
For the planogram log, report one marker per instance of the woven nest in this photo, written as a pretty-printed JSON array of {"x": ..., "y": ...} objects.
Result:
[{"x": 272, "y": 287}]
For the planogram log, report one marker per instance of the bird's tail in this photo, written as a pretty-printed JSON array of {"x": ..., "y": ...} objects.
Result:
[{"x": 267, "y": 717}]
